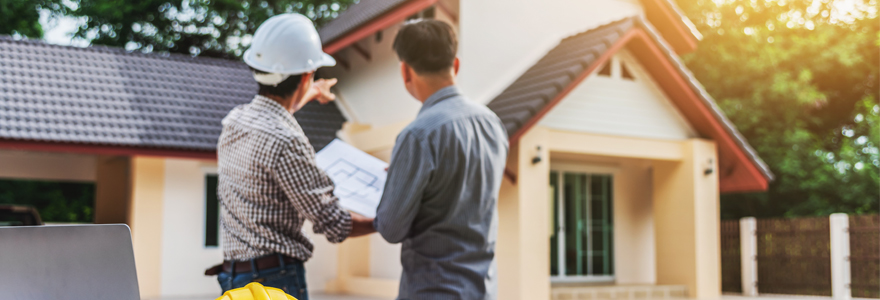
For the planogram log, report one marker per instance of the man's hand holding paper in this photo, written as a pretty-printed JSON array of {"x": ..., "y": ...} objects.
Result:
[{"x": 359, "y": 178}]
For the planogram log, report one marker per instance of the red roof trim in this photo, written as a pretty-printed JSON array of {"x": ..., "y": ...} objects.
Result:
[
  {"x": 670, "y": 24},
  {"x": 687, "y": 101},
  {"x": 577, "y": 81},
  {"x": 104, "y": 150},
  {"x": 395, "y": 16}
]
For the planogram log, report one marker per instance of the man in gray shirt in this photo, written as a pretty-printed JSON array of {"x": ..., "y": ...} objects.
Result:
[{"x": 446, "y": 168}]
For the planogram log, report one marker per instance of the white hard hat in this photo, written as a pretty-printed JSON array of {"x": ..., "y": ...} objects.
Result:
[{"x": 286, "y": 44}]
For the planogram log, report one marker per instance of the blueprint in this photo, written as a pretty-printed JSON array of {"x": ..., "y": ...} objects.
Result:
[{"x": 359, "y": 177}]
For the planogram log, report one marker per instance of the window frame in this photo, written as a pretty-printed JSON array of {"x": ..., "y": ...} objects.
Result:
[{"x": 591, "y": 169}]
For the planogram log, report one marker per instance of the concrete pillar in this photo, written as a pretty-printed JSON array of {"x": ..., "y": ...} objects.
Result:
[
  {"x": 840, "y": 267},
  {"x": 112, "y": 196},
  {"x": 687, "y": 220},
  {"x": 748, "y": 242},
  {"x": 523, "y": 247},
  {"x": 146, "y": 219}
]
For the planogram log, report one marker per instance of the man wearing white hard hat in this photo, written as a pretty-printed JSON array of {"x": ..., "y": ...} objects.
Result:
[{"x": 269, "y": 183}]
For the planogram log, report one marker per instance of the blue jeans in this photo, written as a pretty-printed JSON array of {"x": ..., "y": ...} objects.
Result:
[{"x": 289, "y": 277}]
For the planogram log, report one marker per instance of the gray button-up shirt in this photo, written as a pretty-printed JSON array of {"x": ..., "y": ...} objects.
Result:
[{"x": 440, "y": 199}]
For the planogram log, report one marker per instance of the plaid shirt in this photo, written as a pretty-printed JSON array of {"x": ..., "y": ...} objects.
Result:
[{"x": 269, "y": 184}]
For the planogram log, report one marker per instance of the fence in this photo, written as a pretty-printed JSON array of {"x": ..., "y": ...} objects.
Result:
[
  {"x": 731, "y": 270},
  {"x": 864, "y": 240},
  {"x": 794, "y": 256}
]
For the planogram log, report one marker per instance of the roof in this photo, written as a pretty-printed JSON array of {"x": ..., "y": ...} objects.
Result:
[
  {"x": 107, "y": 96},
  {"x": 365, "y": 18},
  {"x": 356, "y": 16},
  {"x": 543, "y": 85}
]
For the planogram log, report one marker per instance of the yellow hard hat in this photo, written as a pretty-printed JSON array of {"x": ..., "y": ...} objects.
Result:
[{"x": 255, "y": 291}]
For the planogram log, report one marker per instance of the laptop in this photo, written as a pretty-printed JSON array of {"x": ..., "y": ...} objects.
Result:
[{"x": 80, "y": 262}]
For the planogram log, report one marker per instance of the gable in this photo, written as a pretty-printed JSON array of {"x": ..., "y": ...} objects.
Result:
[
  {"x": 575, "y": 59},
  {"x": 621, "y": 99}
]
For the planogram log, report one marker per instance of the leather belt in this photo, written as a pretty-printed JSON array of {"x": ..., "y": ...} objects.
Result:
[{"x": 262, "y": 263}]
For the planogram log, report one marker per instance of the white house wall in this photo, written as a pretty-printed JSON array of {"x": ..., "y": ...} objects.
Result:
[
  {"x": 47, "y": 166},
  {"x": 372, "y": 92},
  {"x": 184, "y": 256},
  {"x": 615, "y": 106},
  {"x": 500, "y": 39}
]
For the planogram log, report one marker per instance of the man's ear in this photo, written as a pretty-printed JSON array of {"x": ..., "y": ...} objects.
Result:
[
  {"x": 405, "y": 72},
  {"x": 455, "y": 66}
]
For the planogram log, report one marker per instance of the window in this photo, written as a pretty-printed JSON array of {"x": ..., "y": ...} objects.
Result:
[
  {"x": 581, "y": 245},
  {"x": 212, "y": 212}
]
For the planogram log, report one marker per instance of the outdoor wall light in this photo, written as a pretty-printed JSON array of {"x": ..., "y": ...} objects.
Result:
[
  {"x": 537, "y": 157},
  {"x": 709, "y": 169}
]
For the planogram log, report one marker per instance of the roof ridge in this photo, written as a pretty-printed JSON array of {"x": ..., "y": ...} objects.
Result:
[
  {"x": 118, "y": 50},
  {"x": 600, "y": 27}
]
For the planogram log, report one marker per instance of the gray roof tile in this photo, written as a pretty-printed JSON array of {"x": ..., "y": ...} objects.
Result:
[{"x": 101, "y": 95}]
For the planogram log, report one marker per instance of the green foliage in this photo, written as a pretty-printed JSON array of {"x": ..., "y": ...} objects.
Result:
[
  {"x": 22, "y": 17},
  {"x": 800, "y": 81},
  {"x": 217, "y": 28},
  {"x": 56, "y": 201}
]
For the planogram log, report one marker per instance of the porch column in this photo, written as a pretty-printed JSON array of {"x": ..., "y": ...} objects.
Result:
[
  {"x": 687, "y": 220},
  {"x": 523, "y": 247},
  {"x": 111, "y": 189},
  {"x": 145, "y": 219}
]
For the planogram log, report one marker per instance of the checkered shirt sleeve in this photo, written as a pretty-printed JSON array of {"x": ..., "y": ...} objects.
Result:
[{"x": 310, "y": 190}]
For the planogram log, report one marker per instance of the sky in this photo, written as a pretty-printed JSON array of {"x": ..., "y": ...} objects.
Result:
[{"x": 59, "y": 30}]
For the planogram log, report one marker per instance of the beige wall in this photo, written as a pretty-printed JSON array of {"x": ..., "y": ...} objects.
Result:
[
  {"x": 665, "y": 209},
  {"x": 634, "y": 253},
  {"x": 687, "y": 221},
  {"x": 146, "y": 221}
]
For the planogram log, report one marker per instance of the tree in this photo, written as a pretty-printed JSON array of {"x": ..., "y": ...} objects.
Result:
[
  {"x": 217, "y": 28},
  {"x": 55, "y": 200},
  {"x": 800, "y": 81},
  {"x": 22, "y": 17}
]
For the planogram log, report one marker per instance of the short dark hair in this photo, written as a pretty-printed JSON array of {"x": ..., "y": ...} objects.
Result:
[
  {"x": 284, "y": 88},
  {"x": 428, "y": 46}
]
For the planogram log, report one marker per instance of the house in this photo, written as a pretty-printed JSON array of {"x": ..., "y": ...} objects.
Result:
[{"x": 618, "y": 155}]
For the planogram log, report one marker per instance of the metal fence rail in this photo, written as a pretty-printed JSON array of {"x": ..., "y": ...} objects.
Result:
[
  {"x": 731, "y": 270},
  {"x": 864, "y": 240},
  {"x": 794, "y": 256}
]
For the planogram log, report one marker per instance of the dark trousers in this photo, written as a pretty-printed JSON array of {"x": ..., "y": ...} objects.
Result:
[{"x": 289, "y": 277}]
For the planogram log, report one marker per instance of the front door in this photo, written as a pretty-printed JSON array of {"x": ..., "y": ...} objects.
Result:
[{"x": 581, "y": 244}]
